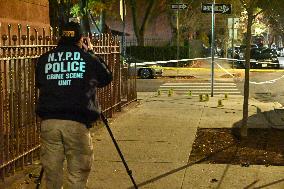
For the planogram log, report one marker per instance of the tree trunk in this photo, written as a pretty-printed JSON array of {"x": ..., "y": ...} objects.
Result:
[
  {"x": 103, "y": 21},
  {"x": 85, "y": 20},
  {"x": 140, "y": 39},
  {"x": 139, "y": 31},
  {"x": 244, "y": 127},
  {"x": 134, "y": 18},
  {"x": 59, "y": 13},
  {"x": 54, "y": 13},
  {"x": 104, "y": 27},
  {"x": 272, "y": 40}
]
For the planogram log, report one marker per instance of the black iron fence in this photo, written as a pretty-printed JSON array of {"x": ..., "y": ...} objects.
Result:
[
  {"x": 19, "y": 126},
  {"x": 154, "y": 41}
]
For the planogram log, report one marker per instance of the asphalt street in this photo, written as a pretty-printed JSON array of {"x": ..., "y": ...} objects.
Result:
[{"x": 265, "y": 85}]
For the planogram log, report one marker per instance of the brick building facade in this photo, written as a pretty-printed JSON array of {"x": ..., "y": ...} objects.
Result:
[{"x": 34, "y": 13}]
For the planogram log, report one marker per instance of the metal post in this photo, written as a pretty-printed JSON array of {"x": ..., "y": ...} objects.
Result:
[
  {"x": 177, "y": 34},
  {"x": 233, "y": 36},
  {"x": 177, "y": 39},
  {"x": 123, "y": 36},
  {"x": 212, "y": 49}
]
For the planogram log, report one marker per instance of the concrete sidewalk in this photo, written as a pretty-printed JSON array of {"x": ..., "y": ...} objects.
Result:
[{"x": 156, "y": 137}]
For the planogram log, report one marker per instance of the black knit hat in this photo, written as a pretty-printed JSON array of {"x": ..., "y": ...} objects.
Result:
[{"x": 71, "y": 33}]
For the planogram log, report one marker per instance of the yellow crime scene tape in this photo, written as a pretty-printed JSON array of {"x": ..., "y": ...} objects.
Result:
[
  {"x": 208, "y": 69},
  {"x": 220, "y": 69}
]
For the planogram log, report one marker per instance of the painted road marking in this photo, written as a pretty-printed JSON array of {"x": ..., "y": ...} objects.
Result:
[
  {"x": 175, "y": 84},
  {"x": 187, "y": 89},
  {"x": 188, "y": 86},
  {"x": 230, "y": 69},
  {"x": 201, "y": 88}
]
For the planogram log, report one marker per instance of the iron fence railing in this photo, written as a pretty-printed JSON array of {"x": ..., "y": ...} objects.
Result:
[
  {"x": 131, "y": 41},
  {"x": 19, "y": 127}
]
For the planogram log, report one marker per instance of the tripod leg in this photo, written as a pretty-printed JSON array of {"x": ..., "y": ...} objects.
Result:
[
  {"x": 118, "y": 150},
  {"x": 39, "y": 179}
]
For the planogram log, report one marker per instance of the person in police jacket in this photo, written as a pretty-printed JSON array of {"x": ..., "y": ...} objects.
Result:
[{"x": 67, "y": 78}]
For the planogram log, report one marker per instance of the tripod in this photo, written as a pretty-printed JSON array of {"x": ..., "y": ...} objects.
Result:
[
  {"x": 38, "y": 180},
  {"x": 129, "y": 172}
]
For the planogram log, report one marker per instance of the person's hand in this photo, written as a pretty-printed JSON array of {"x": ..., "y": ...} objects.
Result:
[{"x": 87, "y": 44}]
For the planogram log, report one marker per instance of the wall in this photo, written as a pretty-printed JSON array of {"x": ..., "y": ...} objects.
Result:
[{"x": 34, "y": 13}]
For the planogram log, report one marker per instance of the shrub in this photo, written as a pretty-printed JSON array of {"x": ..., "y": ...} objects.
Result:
[{"x": 151, "y": 53}]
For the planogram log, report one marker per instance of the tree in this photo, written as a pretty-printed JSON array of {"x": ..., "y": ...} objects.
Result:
[
  {"x": 191, "y": 21},
  {"x": 253, "y": 9},
  {"x": 53, "y": 13},
  {"x": 59, "y": 12},
  {"x": 139, "y": 30},
  {"x": 62, "y": 10},
  {"x": 249, "y": 6},
  {"x": 275, "y": 19}
]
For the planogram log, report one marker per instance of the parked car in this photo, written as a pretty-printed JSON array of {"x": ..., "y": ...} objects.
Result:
[
  {"x": 260, "y": 58},
  {"x": 233, "y": 52},
  {"x": 280, "y": 51},
  {"x": 144, "y": 70}
]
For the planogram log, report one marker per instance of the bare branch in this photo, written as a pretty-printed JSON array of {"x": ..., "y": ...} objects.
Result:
[
  {"x": 134, "y": 16},
  {"x": 147, "y": 14}
]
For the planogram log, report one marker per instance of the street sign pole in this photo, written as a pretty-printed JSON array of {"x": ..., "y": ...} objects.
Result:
[
  {"x": 177, "y": 40},
  {"x": 212, "y": 48},
  {"x": 233, "y": 37},
  {"x": 177, "y": 34},
  {"x": 123, "y": 36},
  {"x": 177, "y": 7},
  {"x": 214, "y": 8}
]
